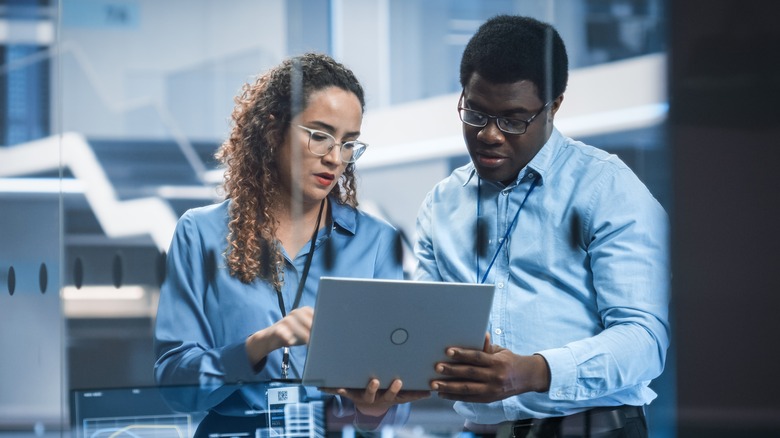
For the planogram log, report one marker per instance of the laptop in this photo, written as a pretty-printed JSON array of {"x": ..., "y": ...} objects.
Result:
[{"x": 387, "y": 329}]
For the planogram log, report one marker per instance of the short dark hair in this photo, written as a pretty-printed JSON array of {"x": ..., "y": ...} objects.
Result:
[{"x": 511, "y": 48}]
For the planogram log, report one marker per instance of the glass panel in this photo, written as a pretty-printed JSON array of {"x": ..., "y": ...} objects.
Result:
[
  {"x": 145, "y": 98},
  {"x": 31, "y": 320},
  {"x": 105, "y": 146}
]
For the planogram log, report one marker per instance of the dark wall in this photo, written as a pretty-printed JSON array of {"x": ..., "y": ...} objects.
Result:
[{"x": 724, "y": 64}]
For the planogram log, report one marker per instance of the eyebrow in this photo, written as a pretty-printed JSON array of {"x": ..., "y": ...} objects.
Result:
[
  {"x": 330, "y": 129},
  {"x": 510, "y": 113}
]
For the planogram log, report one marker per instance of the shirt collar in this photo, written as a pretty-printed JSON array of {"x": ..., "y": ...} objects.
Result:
[
  {"x": 343, "y": 215},
  {"x": 540, "y": 164}
]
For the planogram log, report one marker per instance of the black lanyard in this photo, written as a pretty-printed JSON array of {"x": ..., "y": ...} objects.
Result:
[{"x": 299, "y": 293}]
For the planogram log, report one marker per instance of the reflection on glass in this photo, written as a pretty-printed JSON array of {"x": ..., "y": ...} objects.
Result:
[{"x": 141, "y": 103}]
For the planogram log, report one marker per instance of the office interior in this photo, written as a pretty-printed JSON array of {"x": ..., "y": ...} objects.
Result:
[{"x": 111, "y": 111}]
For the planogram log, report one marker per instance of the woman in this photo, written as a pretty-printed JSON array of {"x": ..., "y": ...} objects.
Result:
[{"x": 236, "y": 305}]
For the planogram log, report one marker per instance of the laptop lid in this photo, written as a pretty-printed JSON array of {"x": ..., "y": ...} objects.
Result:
[{"x": 366, "y": 328}]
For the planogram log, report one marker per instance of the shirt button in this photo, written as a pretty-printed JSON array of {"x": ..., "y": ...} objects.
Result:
[
  {"x": 500, "y": 285},
  {"x": 531, "y": 175},
  {"x": 497, "y": 331},
  {"x": 504, "y": 193}
]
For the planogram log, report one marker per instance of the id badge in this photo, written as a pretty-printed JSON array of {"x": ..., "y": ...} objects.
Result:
[{"x": 294, "y": 413}]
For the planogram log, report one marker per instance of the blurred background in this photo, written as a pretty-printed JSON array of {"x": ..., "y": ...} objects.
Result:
[{"x": 111, "y": 111}]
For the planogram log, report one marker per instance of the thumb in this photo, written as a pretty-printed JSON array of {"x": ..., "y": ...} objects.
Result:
[{"x": 486, "y": 347}]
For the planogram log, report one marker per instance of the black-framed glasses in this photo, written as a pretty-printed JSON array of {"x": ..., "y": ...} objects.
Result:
[
  {"x": 507, "y": 125},
  {"x": 321, "y": 143}
]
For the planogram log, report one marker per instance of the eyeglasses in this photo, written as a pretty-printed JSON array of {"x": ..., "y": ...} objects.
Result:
[
  {"x": 321, "y": 143},
  {"x": 505, "y": 124}
]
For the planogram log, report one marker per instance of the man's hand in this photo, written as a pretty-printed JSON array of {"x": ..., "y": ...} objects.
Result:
[
  {"x": 491, "y": 374},
  {"x": 373, "y": 402}
]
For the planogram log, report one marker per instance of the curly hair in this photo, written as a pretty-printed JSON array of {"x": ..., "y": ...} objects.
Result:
[
  {"x": 260, "y": 119},
  {"x": 511, "y": 48}
]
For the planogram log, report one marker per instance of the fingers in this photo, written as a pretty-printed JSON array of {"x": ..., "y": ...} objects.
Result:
[
  {"x": 457, "y": 387},
  {"x": 370, "y": 393},
  {"x": 295, "y": 328},
  {"x": 288, "y": 336},
  {"x": 302, "y": 317},
  {"x": 366, "y": 395},
  {"x": 471, "y": 358},
  {"x": 392, "y": 391},
  {"x": 468, "y": 369},
  {"x": 481, "y": 377},
  {"x": 373, "y": 401},
  {"x": 305, "y": 313},
  {"x": 462, "y": 372}
]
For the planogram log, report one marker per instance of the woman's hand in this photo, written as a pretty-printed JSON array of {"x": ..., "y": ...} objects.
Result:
[
  {"x": 293, "y": 329},
  {"x": 374, "y": 402}
]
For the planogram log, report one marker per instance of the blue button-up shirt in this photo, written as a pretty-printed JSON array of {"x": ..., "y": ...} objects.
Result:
[
  {"x": 583, "y": 278},
  {"x": 205, "y": 315}
]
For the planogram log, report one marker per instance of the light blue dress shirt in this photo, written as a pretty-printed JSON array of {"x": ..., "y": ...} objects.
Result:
[
  {"x": 205, "y": 315},
  {"x": 583, "y": 279}
]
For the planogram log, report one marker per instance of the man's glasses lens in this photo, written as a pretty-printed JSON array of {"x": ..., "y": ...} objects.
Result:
[
  {"x": 480, "y": 120},
  {"x": 473, "y": 117}
]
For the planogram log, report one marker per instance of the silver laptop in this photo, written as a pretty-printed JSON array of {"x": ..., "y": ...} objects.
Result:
[{"x": 365, "y": 328}]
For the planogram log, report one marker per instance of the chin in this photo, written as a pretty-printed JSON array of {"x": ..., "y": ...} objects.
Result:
[
  {"x": 489, "y": 174},
  {"x": 321, "y": 194}
]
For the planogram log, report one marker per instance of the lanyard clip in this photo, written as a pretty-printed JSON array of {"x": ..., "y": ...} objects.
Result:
[{"x": 285, "y": 362}]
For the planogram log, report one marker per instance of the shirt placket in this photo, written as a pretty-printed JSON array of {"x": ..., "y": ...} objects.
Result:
[{"x": 500, "y": 267}]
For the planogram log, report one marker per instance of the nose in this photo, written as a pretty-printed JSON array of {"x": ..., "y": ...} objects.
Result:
[
  {"x": 490, "y": 134},
  {"x": 334, "y": 154}
]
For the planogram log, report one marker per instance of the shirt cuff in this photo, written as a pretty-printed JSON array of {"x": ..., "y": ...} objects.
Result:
[
  {"x": 563, "y": 373},
  {"x": 237, "y": 365}
]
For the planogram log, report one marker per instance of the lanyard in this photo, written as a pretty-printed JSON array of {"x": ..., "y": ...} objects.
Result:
[
  {"x": 508, "y": 229},
  {"x": 299, "y": 293}
]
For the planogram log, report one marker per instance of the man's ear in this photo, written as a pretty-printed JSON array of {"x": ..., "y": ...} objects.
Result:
[{"x": 555, "y": 105}]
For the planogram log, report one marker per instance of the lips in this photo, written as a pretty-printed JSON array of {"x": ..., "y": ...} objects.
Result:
[
  {"x": 324, "y": 178},
  {"x": 489, "y": 160}
]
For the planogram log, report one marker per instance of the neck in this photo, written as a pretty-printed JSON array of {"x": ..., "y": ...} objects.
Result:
[
  {"x": 296, "y": 227},
  {"x": 300, "y": 213}
]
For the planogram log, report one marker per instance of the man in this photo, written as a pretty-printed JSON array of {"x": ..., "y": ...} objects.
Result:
[{"x": 574, "y": 243}]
